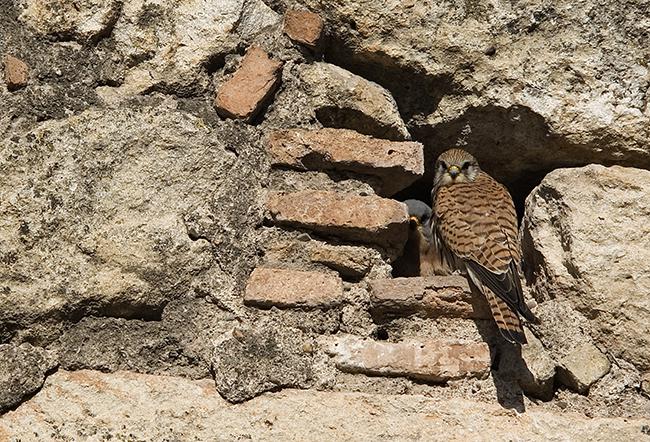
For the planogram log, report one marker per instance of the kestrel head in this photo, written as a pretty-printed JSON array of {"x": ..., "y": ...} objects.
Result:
[{"x": 455, "y": 166}]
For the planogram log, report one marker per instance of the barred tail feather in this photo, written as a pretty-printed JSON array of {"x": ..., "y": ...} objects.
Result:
[{"x": 507, "y": 321}]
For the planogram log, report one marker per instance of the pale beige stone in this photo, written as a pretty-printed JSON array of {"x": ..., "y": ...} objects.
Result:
[
  {"x": 123, "y": 405},
  {"x": 582, "y": 367},
  {"x": 431, "y": 360},
  {"x": 586, "y": 242}
]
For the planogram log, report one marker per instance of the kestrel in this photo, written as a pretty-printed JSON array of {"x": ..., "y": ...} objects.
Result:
[
  {"x": 419, "y": 247},
  {"x": 474, "y": 228}
]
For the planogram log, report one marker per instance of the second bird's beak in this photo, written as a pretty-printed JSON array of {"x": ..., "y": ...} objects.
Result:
[
  {"x": 415, "y": 219},
  {"x": 454, "y": 171}
]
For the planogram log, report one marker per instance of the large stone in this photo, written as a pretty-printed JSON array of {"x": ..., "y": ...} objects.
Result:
[
  {"x": 582, "y": 367},
  {"x": 244, "y": 94},
  {"x": 344, "y": 100},
  {"x": 586, "y": 239},
  {"x": 397, "y": 164},
  {"x": 22, "y": 372},
  {"x": 268, "y": 287},
  {"x": 264, "y": 358},
  {"x": 358, "y": 218},
  {"x": 103, "y": 213},
  {"x": 122, "y": 406},
  {"x": 436, "y": 296},
  {"x": 85, "y": 19},
  {"x": 430, "y": 360},
  {"x": 16, "y": 72}
]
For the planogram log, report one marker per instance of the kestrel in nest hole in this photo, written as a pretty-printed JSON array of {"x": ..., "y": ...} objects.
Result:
[{"x": 474, "y": 229}]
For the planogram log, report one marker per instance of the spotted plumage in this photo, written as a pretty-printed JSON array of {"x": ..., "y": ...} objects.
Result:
[{"x": 475, "y": 231}]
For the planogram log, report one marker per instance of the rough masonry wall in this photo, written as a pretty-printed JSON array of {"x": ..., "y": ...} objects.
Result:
[{"x": 211, "y": 190}]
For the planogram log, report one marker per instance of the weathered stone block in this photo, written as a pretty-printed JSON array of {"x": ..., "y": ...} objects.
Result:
[
  {"x": 269, "y": 287},
  {"x": 16, "y": 72},
  {"x": 244, "y": 94},
  {"x": 350, "y": 261},
  {"x": 255, "y": 360},
  {"x": 397, "y": 164},
  {"x": 431, "y": 360},
  {"x": 344, "y": 100},
  {"x": 582, "y": 367},
  {"x": 304, "y": 27},
  {"x": 434, "y": 296},
  {"x": 358, "y": 218},
  {"x": 586, "y": 239}
]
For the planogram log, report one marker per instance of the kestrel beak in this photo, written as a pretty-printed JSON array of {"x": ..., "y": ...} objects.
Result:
[
  {"x": 454, "y": 171},
  {"x": 415, "y": 219}
]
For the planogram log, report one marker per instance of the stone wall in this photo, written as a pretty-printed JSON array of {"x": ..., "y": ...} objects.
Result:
[{"x": 211, "y": 191}]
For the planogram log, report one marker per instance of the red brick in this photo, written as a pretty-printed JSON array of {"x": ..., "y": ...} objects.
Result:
[
  {"x": 431, "y": 360},
  {"x": 434, "y": 296},
  {"x": 251, "y": 85},
  {"x": 16, "y": 72},
  {"x": 268, "y": 287},
  {"x": 304, "y": 27},
  {"x": 368, "y": 219},
  {"x": 397, "y": 163}
]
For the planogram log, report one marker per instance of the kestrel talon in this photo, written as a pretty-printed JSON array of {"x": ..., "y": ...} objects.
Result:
[{"x": 474, "y": 228}]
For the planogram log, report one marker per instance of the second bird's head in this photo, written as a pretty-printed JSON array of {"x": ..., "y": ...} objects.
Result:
[{"x": 455, "y": 166}]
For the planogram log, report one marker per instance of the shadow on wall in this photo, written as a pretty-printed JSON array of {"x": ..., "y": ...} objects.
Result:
[{"x": 514, "y": 145}]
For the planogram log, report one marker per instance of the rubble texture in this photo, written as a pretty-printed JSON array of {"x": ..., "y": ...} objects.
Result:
[
  {"x": 87, "y": 404},
  {"x": 198, "y": 199}
]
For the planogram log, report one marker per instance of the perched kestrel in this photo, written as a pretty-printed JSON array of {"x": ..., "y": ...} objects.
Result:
[
  {"x": 419, "y": 247},
  {"x": 475, "y": 231}
]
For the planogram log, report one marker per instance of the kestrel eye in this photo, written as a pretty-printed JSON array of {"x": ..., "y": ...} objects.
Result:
[
  {"x": 443, "y": 165},
  {"x": 465, "y": 166}
]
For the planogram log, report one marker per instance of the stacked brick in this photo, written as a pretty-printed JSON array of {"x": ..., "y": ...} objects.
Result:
[{"x": 354, "y": 222}]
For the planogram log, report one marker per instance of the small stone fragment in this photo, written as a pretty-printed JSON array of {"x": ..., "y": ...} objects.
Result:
[
  {"x": 253, "y": 361},
  {"x": 244, "y": 94},
  {"x": 16, "y": 72},
  {"x": 538, "y": 382},
  {"x": 397, "y": 164},
  {"x": 645, "y": 383},
  {"x": 22, "y": 372},
  {"x": 430, "y": 360},
  {"x": 582, "y": 367},
  {"x": 304, "y": 27},
  {"x": 352, "y": 261},
  {"x": 284, "y": 288},
  {"x": 434, "y": 296},
  {"x": 357, "y": 218}
]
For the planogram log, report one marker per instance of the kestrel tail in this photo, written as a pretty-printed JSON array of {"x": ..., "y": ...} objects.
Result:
[{"x": 475, "y": 231}]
